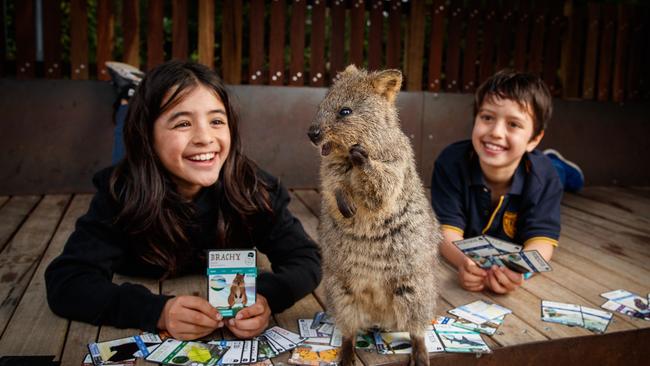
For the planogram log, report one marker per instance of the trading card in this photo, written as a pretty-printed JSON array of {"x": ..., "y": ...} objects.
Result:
[
  {"x": 326, "y": 328},
  {"x": 630, "y": 300},
  {"x": 288, "y": 335},
  {"x": 254, "y": 350},
  {"x": 320, "y": 318},
  {"x": 337, "y": 338},
  {"x": 503, "y": 246},
  {"x": 480, "y": 311},
  {"x": 264, "y": 349},
  {"x": 173, "y": 352},
  {"x": 526, "y": 261},
  {"x": 442, "y": 320},
  {"x": 277, "y": 348},
  {"x": 234, "y": 354},
  {"x": 314, "y": 355},
  {"x": 246, "y": 352},
  {"x": 281, "y": 344},
  {"x": 432, "y": 341},
  {"x": 456, "y": 339},
  {"x": 397, "y": 342},
  {"x": 596, "y": 320},
  {"x": 231, "y": 280},
  {"x": 622, "y": 309},
  {"x": 305, "y": 328},
  {"x": 318, "y": 340},
  {"x": 381, "y": 346},
  {"x": 562, "y": 313},
  {"x": 489, "y": 327},
  {"x": 478, "y": 245},
  {"x": 118, "y": 350},
  {"x": 364, "y": 341}
]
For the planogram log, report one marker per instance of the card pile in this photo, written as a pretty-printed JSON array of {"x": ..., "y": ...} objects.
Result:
[
  {"x": 573, "y": 315},
  {"x": 487, "y": 251},
  {"x": 627, "y": 303},
  {"x": 174, "y": 352},
  {"x": 123, "y": 350}
]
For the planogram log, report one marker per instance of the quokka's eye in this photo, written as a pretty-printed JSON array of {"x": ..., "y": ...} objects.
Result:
[{"x": 345, "y": 111}]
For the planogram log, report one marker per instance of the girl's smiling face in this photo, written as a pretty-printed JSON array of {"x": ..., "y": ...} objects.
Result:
[{"x": 192, "y": 140}]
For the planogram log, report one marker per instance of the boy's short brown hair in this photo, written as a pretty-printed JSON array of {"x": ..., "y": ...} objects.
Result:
[{"x": 528, "y": 90}]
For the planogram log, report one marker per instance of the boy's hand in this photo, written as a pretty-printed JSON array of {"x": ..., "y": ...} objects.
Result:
[
  {"x": 471, "y": 276},
  {"x": 502, "y": 280},
  {"x": 251, "y": 321},
  {"x": 189, "y": 317}
]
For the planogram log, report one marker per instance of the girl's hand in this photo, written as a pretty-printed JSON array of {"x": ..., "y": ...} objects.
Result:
[
  {"x": 189, "y": 317},
  {"x": 251, "y": 321},
  {"x": 470, "y": 276},
  {"x": 502, "y": 280}
]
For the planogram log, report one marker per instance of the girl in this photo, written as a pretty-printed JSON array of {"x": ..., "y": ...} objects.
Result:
[{"x": 183, "y": 187}]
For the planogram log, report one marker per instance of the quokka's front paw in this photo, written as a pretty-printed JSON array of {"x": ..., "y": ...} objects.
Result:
[
  {"x": 347, "y": 208},
  {"x": 358, "y": 155}
]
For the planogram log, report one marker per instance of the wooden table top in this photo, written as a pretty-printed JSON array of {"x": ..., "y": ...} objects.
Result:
[{"x": 605, "y": 245}]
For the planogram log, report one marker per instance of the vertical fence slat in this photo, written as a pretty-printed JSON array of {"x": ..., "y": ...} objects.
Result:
[
  {"x": 504, "y": 31},
  {"x": 25, "y": 39},
  {"x": 591, "y": 52},
  {"x": 537, "y": 38},
  {"x": 471, "y": 46},
  {"x": 131, "y": 32},
  {"x": 438, "y": 14},
  {"x": 357, "y": 32},
  {"x": 375, "y": 36},
  {"x": 297, "y": 35},
  {"x": 521, "y": 40},
  {"x": 317, "y": 44},
  {"x": 276, "y": 43},
  {"x": 179, "y": 30},
  {"x": 3, "y": 39},
  {"x": 415, "y": 46},
  {"x": 644, "y": 77},
  {"x": 622, "y": 44},
  {"x": 206, "y": 32},
  {"x": 155, "y": 33},
  {"x": 394, "y": 44},
  {"x": 638, "y": 32},
  {"x": 256, "y": 43},
  {"x": 52, "y": 48},
  {"x": 231, "y": 41},
  {"x": 337, "y": 47},
  {"x": 606, "y": 54},
  {"x": 78, "y": 40},
  {"x": 571, "y": 51},
  {"x": 105, "y": 37},
  {"x": 486, "y": 63},
  {"x": 453, "y": 47},
  {"x": 556, "y": 24}
]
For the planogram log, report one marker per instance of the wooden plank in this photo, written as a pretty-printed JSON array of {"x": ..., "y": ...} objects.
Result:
[
  {"x": 439, "y": 13},
  {"x": 131, "y": 32},
  {"x": 556, "y": 25},
  {"x": 105, "y": 37},
  {"x": 310, "y": 198},
  {"x": 19, "y": 258},
  {"x": 606, "y": 211},
  {"x": 33, "y": 315},
  {"x": 76, "y": 342},
  {"x": 25, "y": 39},
  {"x": 3, "y": 200},
  {"x": 620, "y": 55},
  {"x": 179, "y": 30},
  {"x": 522, "y": 31},
  {"x": 638, "y": 31},
  {"x": 394, "y": 41},
  {"x": 231, "y": 45},
  {"x": 571, "y": 69},
  {"x": 619, "y": 197},
  {"x": 317, "y": 44},
  {"x": 337, "y": 38},
  {"x": 470, "y": 59},
  {"x": 206, "y": 33},
  {"x": 487, "y": 61},
  {"x": 297, "y": 40},
  {"x": 606, "y": 53},
  {"x": 536, "y": 48},
  {"x": 415, "y": 46},
  {"x": 455, "y": 18},
  {"x": 155, "y": 33},
  {"x": 256, "y": 44},
  {"x": 276, "y": 44},
  {"x": 357, "y": 32},
  {"x": 505, "y": 25},
  {"x": 12, "y": 215},
  {"x": 52, "y": 48},
  {"x": 376, "y": 35},
  {"x": 307, "y": 218},
  {"x": 591, "y": 51}
]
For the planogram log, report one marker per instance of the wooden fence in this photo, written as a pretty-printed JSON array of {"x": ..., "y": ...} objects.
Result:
[{"x": 582, "y": 50}]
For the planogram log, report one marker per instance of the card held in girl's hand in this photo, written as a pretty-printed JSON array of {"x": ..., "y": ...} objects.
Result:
[{"x": 232, "y": 276}]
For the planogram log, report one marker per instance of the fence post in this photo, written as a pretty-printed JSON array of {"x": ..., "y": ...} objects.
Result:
[
  {"x": 179, "y": 30},
  {"x": 622, "y": 44},
  {"x": 206, "y": 33},
  {"x": 231, "y": 41},
  {"x": 155, "y": 33},
  {"x": 317, "y": 62},
  {"x": 438, "y": 14},
  {"x": 415, "y": 46},
  {"x": 452, "y": 82},
  {"x": 78, "y": 40},
  {"x": 297, "y": 35},
  {"x": 105, "y": 37},
  {"x": 471, "y": 45},
  {"x": 606, "y": 58},
  {"x": 52, "y": 48},
  {"x": 25, "y": 39},
  {"x": 276, "y": 43},
  {"x": 394, "y": 45},
  {"x": 375, "y": 36},
  {"x": 131, "y": 32},
  {"x": 591, "y": 52}
]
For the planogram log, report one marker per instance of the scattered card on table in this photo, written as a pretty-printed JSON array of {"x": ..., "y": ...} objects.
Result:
[
  {"x": 489, "y": 327},
  {"x": 119, "y": 350},
  {"x": 596, "y": 320},
  {"x": 456, "y": 339},
  {"x": 315, "y": 355},
  {"x": 174, "y": 352},
  {"x": 524, "y": 262},
  {"x": 631, "y": 300},
  {"x": 562, "y": 313},
  {"x": 480, "y": 311}
]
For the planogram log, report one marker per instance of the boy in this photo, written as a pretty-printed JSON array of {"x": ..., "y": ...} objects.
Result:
[{"x": 497, "y": 183}]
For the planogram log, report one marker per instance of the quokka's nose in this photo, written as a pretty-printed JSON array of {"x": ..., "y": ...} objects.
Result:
[{"x": 315, "y": 134}]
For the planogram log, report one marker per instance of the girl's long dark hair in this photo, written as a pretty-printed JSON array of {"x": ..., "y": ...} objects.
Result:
[{"x": 153, "y": 212}]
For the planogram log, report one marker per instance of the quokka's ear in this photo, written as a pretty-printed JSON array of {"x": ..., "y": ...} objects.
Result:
[{"x": 387, "y": 83}]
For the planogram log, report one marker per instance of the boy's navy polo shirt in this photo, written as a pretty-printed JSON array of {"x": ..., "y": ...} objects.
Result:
[{"x": 461, "y": 198}]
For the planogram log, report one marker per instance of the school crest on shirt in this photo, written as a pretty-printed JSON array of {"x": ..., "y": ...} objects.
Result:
[{"x": 509, "y": 222}]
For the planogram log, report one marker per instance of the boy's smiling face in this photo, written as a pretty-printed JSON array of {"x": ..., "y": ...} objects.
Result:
[{"x": 503, "y": 132}]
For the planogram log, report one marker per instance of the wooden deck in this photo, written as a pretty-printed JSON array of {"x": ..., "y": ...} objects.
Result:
[{"x": 605, "y": 245}]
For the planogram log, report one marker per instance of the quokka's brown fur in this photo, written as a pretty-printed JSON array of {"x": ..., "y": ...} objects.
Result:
[{"x": 378, "y": 234}]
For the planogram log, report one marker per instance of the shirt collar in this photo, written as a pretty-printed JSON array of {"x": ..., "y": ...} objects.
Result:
[{"x": 477, "y": 179}]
